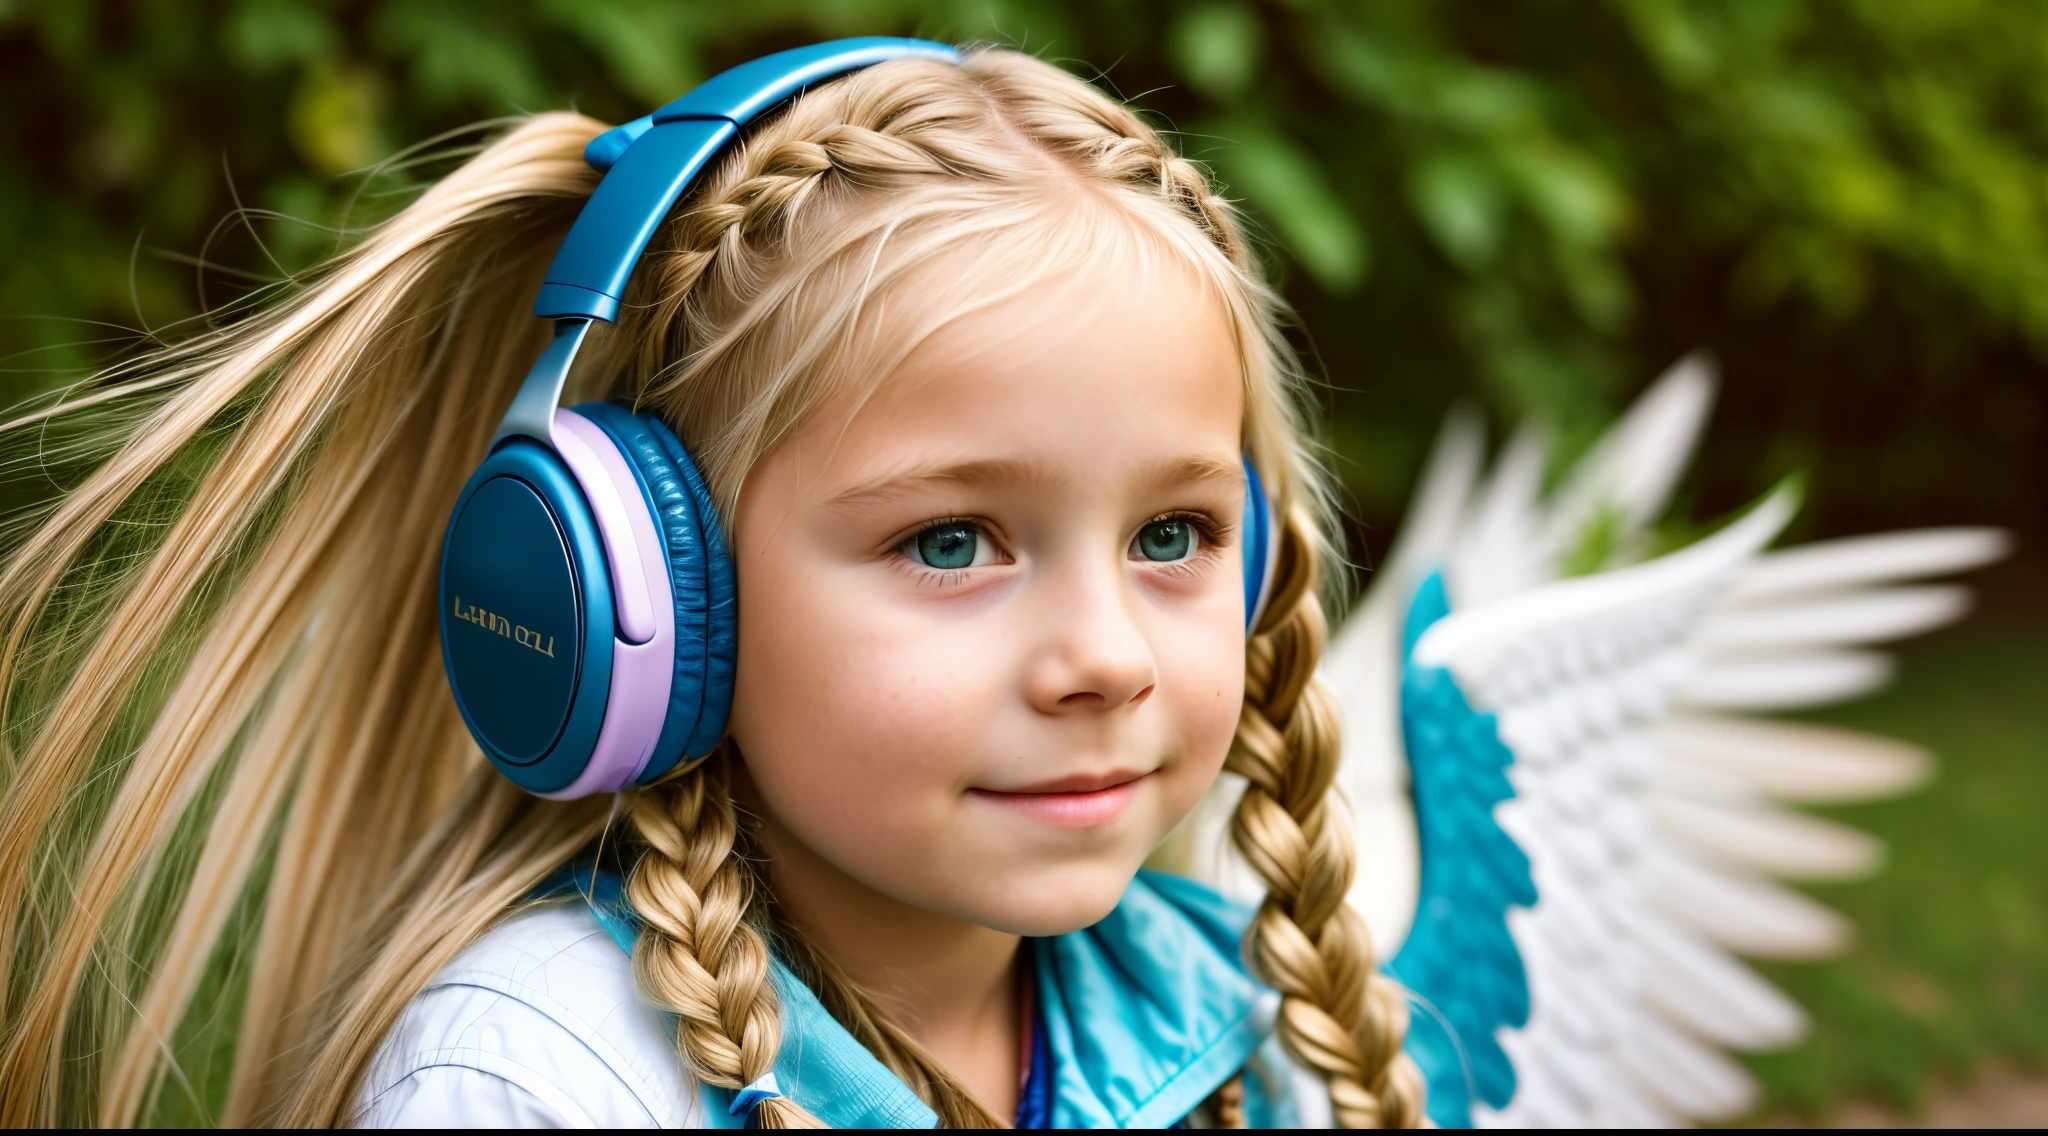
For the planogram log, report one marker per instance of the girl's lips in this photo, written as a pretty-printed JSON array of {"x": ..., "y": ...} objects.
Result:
[{"x": 1072, "y": 802}]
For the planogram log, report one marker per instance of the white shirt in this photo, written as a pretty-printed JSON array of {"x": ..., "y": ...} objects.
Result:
[
  {"x": 538, "y": 1025},
  {"x": 535, "y": 1025}
]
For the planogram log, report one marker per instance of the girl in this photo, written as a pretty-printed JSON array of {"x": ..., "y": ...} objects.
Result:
[{"x": 968, "y": 358}]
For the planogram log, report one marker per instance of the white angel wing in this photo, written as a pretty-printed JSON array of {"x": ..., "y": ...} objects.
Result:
[
  {"x": 1654, "y": 831},
  {"x": 1654, "y": 819},
  {"x": 1574, "y": 671},
  {"x": 1362, "y": 669},
  {"x": 1511, "y": 540},
  {"x": 1653, "y": 816}
]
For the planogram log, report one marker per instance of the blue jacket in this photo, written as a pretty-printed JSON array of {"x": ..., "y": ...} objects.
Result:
[{"x": 1145, "y": 1014}]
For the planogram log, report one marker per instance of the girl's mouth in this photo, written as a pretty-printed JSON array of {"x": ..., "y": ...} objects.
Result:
[{"x": 1078, "y": 801}]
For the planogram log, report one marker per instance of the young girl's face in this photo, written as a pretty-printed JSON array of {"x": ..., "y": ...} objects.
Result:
[{"x": 992, "y": 616}]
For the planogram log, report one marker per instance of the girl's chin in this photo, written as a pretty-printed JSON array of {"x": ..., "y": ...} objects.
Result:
[{"x": 1054, "y": 901}]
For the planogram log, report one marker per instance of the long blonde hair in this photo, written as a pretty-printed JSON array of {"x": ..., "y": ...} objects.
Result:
[{"x": 222, "y": 683}]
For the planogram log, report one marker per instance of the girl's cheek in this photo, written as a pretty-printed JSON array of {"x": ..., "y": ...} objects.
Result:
[
  {"x": 1202, "y": 682},
  {"x": 890, "y": 716},
  {"x": 857, "y": 728}
]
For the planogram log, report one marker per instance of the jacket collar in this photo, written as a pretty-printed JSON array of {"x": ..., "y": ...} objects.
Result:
[
  {"x": 1149, "y": 1010},
  {"x": 1146, "y": 1012}
]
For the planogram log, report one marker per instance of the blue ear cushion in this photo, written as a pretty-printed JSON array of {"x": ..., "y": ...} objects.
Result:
[
  {"x": 700, "y": 575},
  {"x": 1257, "y": 538},
  {"x": 722, "y": 608}
]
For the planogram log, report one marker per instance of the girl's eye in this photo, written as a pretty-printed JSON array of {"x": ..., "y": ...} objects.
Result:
[
  {"x": 1165, "y": 541},
  {"x": 955, "y": 544}
]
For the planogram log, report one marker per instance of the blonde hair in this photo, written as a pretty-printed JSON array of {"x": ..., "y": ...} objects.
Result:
[{"x": 238, "y": 706}]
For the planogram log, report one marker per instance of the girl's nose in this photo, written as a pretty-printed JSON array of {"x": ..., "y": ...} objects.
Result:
[{"x": 1092, "y": 654}]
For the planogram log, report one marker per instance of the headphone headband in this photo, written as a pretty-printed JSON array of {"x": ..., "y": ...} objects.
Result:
[
  {"x": 649, "y": 164},
  {"x": 651, "y": 161}
]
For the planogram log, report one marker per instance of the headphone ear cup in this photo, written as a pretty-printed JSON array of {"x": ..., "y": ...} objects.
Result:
[
  {"x": 701, "y": 581},
  {"x": 1261, "y": 547},
  {"x": 527, "y": 617},
  {"x": 721, "y": 625}
]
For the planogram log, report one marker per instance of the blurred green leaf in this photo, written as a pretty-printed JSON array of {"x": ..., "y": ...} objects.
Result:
[
  {"x": 265, "y": 33},
  {"x": 455, "y": 56},
  {"x": 1681, "y": 50},
  {"x": 1458, "y": 197},
  {"x": 1353, "y": 63},
  {"x": 1218, "y": 47},
  {"x": 1575, "y": 197},
  {"x": 333, "y": 118},
  {"x": 650, "y": 46},
  {"x": 1288, "y": 190}
]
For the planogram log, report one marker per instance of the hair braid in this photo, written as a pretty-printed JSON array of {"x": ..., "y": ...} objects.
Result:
[
  {"x": 698, "y": 957},
  {"x": 892, "y": 1045},
  {"x": 711, "y": 264},
  {"x": 1105, "y": 140},
  {"x": 702, "y": 956},
  {"x": 1336, "y": 1015}
]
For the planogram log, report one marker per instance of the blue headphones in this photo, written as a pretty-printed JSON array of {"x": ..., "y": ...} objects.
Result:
[{"x": 588, "y": 612}]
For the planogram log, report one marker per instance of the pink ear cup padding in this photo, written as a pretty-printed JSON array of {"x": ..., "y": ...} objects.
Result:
[
  {"x": 613, "y": 502},
  {"x": 642, "y": 671}
]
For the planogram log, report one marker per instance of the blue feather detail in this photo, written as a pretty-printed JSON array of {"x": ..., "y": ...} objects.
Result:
[{"x": 1459, "y": 961}]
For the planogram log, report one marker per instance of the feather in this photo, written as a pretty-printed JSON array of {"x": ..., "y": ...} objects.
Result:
[
  {"x": 1554, "y": 633},
  {"x": 1705, "y": 991},
  {"x": 1792, "y": 622},
  {"x": 1740, "y": 911},
  {"x": 1763, "y": 837},
  {"x": 1685, "y": 1076},
  {"x": 1863, "y": 560},
  {"x": 1497, "y": 556},
  {"x": 1542, "y": 1100},
  {"x": 1621, "y": 1106},
  {"x": 1783, "y": 681},
  {"x": 1631, "y": 471},
  {"x": 1793, "y": 761},
  {"x": 1442, "y": 501}
]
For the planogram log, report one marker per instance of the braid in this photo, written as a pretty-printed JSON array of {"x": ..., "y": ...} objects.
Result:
[
  {"x": 701, "y": 290},
  {"x": 698, "y": 957},
  {"x": 892, "y": 1045},
  {"x": 1336, "y": 1015},
  {"x": 702, "y": 957},
  {"x": 1107, "y": 141}
]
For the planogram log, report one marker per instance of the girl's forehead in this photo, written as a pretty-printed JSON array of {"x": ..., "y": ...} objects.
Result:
[{"x": 1075, "y": 370}]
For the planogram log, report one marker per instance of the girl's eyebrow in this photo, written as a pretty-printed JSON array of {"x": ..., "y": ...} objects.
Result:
[
  {"x": 909, "y": 480},
  {"x": 904, "y": 481}
]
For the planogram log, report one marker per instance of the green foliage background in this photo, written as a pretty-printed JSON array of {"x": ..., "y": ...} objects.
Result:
[{"x": 1533, "y": 206}]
